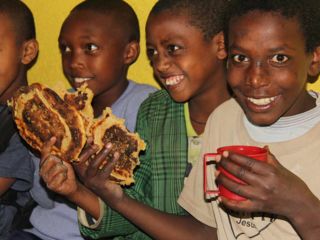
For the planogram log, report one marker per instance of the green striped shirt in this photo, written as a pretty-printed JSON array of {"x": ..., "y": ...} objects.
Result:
[{"x": 160, "y": 175}]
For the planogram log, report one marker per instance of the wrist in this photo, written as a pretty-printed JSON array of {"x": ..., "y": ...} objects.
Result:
[
  {"x": 76, "y": 194},
  {"x": 306, "y": 218}
]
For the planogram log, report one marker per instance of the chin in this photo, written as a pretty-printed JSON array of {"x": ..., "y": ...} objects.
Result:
[{"x": 261, "y": 120}]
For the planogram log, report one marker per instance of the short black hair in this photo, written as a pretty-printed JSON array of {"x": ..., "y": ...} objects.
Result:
[
  {"x": 207, "y": 15},
  {"x": 126, "y": 17},
  {"x": 307, "y": 13},
  {"x": 21, "y": 17}
]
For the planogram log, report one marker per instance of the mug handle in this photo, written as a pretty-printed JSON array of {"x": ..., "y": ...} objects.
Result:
[{"x": 205, "y": 179}]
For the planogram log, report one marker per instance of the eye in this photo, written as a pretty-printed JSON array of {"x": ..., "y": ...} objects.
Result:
[
  {"x": 239, "y": 58},
  {"x": 279, "y": 59},
  {"x": 172, "y": 48},
  {"x": 90, "y": 47},
  {"x": 64, "y": 48},
  {"x": 151, "y": 52}
]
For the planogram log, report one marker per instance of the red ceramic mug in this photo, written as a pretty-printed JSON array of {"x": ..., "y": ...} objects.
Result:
[{"x": 257, "y": 153}]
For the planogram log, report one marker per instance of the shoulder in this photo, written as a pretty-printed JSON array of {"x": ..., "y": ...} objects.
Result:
[
  {"x": 140, "y": 88},
  {"x": 160, "y": 107},
  {"x": 226, "y": 113},
  {"x": 135, "y": 94},
  {"x": 228, "y": 107},
  {"x": 160, "y": 100}
]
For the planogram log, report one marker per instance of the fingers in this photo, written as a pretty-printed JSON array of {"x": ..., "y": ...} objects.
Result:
[
  {"x": 239, "y": 206},
  {"x": 53, "y": 171},
  {"x": 81, "y": 165},
  {"x": 46, "y": 150},
  {"x": 99, "y": 163},
  {"x": 107, "y": 169},
  {"x": 88, "y": 152},
  {"x": 240, "y": 165}
]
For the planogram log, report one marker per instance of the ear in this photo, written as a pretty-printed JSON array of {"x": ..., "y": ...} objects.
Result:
[
  {"x": 132, "y": 52},
  {"x": 220, "y": 48},
  {"x": 314, "y": 68},
  {"x": 29, "y": 51}
]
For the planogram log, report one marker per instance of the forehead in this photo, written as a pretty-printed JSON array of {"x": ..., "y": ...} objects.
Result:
[
  {"x": 90, "y": 23},
  {"x": 169, "y": 25},
  {"x": 6, "y": 27},
  {"x": 265, "y": 30}
]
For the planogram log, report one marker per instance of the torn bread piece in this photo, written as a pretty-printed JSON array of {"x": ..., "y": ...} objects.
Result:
[
  {"x": 40, "y": 113},
  {"x": 81, "y": 99},
  {"x": 110, "y": 129}
]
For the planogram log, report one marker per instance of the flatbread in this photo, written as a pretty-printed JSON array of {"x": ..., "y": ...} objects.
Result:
[
  {"x": 81, "y": 99},
  {"x": 108, "y": 128},
  {"x": 40, "y": 113}
]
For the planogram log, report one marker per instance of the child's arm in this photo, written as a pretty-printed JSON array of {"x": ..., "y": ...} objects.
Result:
[
  {"x": 59, "y": 177},
  {"x": 5, "y": 184},
  {"x": 274, "y": 189},
  {"x": 159, "y": 225}
]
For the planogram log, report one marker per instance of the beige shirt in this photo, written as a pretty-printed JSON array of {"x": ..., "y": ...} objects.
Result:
[{"x": 300, "y": 155}]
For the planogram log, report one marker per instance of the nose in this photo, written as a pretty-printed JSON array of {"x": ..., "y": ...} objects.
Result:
[
  {"x": 257, "y": 75},
  {"x": 76, "y": 61},
  {"x": 161, "y": 63}
]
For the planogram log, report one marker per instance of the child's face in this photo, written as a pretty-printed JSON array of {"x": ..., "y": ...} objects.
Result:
[
  {"x": 268, "y": 66},
  {"x": 92, "y": 51},
  {"x": 182, "y": 60},
  {"x": 10, "y": 58}
]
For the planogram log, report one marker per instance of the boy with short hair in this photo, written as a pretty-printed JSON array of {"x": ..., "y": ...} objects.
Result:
[
  {"x": 18, "y": 50},
  {"x": 273, "y": 48},
  {"x": 99, "y": 40},
  {"x": 186, "y": 50}
]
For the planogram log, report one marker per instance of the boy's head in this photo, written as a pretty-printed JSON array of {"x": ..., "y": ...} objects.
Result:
[
  {"x": 273, "y": 47},
  {"x": 98, "y": 42},
  {"x": 185, "y": 45},
  {"x": 206, "y": 15},
  {"x": 18, "y": 47}
]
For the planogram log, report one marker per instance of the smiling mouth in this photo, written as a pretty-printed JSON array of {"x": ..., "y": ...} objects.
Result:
[
  {"x": 81, "y": 80},
  {"x": 174, "y": 80},
  {"x": 261, "y": 101}
]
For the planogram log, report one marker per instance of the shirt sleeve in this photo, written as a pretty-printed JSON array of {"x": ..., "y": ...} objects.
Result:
[
  {"x": 112, "y": 223},
  {"x": 192, "y": 197},
  {"x": 88, "y": 221},
  {"x": 16, "y": 162}
]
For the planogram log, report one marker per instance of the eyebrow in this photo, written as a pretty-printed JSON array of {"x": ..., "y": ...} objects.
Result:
[{"x": 276, "y": 49}]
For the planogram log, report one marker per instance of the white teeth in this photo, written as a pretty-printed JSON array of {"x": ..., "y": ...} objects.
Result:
[
  {"x": 261, "y": 101},
  {"x": 81, "y": 80},
  {"x": 173, "y": 80}
]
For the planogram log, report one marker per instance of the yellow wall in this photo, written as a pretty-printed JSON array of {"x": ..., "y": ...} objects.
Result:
[{"x": 49, "y": 16}]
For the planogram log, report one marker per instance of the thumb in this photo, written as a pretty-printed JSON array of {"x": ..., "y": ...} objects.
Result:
[
  {"x": 271, "y": 159},
  {"x": 80, "y": 168}
]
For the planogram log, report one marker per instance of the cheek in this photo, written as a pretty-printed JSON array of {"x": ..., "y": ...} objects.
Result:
[
  {"x": 65, "y": 63},
  {"x": 289, "y": 79},
  {"x": 235, "y": 77}
]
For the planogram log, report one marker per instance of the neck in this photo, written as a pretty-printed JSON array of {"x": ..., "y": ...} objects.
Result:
[
  {"x": 201, "y": 106},
  {"x": 108, "y": 97},
  {"x": 12, "y": 88}
]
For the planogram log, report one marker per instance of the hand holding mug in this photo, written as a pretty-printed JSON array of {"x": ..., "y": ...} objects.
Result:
[
  {"x": 268, "y": 186},
  {"x": 252, "y": 152}
]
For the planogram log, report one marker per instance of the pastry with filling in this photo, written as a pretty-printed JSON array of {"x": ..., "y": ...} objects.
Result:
[
  {"x": 110, "y": 129},
  {"x": 40, "y": 113},
  {"x": 81, "y": 99}
]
